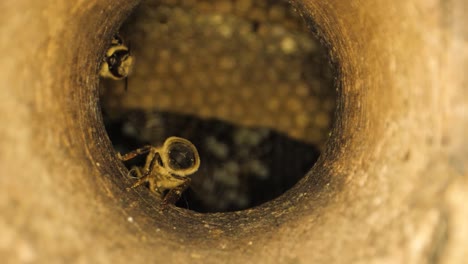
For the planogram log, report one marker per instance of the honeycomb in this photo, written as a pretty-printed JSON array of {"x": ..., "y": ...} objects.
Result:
[{"x": 252, "y": 63}]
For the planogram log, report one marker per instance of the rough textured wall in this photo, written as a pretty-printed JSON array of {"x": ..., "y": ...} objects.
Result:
[{"x": 390, "y": 186}]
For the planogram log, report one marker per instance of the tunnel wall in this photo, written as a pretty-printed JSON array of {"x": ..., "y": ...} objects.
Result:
[{"x": 393, "y": 176}]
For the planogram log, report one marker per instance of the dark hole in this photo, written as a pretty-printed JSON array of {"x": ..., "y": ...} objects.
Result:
[
  {"x": 255, "y": 25},
  {"x": 249, "y": 86}
]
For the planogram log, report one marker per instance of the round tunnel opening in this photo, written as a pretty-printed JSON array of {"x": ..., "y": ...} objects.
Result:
[{"x": 245, "y": 81}]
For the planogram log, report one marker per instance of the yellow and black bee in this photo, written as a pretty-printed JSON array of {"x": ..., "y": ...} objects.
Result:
[
  {"x": 118, "y": 61},
  {"x": 167, "y": 167}
]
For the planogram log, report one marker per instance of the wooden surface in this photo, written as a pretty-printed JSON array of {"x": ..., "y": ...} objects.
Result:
[{"x": 391, "y": 186}]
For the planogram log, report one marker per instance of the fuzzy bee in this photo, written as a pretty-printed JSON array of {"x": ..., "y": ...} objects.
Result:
[
  {"x": 167, "y": 168},
  {"x": 118, "y": 62}
]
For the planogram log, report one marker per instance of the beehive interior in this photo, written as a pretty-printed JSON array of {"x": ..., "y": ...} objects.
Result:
[{"x": 244, "y": 80}]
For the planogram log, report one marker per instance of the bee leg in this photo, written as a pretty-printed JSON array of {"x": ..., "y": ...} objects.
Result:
[
  {"x": 174, "y": 194},
  {"x": 133, "y": 154},
  {"x": 140, "y": 181},
  {"x": 142, "y": 178},
  {"x": 135, "y": 173},
  {"x": 149, "y": 176}
]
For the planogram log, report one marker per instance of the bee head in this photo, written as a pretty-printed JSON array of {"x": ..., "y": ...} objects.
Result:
[{"x": 180, "y": 156}]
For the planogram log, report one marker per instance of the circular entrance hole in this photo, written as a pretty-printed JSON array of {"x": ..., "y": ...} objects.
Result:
[{"x": 245, "y": 81}]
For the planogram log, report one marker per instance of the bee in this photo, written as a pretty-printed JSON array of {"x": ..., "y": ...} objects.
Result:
[
  {"x": 167, "y": 168},
  {"x": 118, "y": 61}
]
